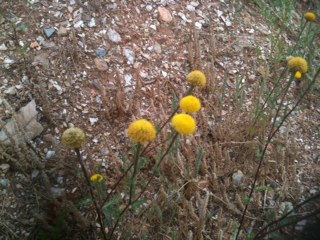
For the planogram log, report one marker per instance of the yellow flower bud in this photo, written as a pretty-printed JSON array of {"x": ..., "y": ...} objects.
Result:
[
  {"x": 184, "y": 124},
  {"x": 197, "y": 78},
  {"x": 73, "y": 137},
  {"x": 142, "y": 131}
]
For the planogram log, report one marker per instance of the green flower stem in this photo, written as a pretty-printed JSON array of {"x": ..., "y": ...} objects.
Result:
[
  {"x": 170, "y": 117},
  {"x": 271, "y": 134},
  {"x": 299, "y": 37},
  {"x": 84, "y": 170},
  {"x": 133, "y": 177},
  {"x": 269, "y": 95},
  {"x": 261, "y": 158},
  {"x": 145, "y": 188},
  {"x": 115, "y": 185},
  {"x": 176, "y": 109}
]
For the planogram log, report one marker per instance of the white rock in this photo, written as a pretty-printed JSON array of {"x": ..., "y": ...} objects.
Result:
[
  {"x": 164, "y": 74},
  {"x": 79, "y": 24},
  {"x": 219, "y": 13},
  {"x": 114, "y": 36},
  {"x": 50, "y": 154},
  {"x": 128, "y": 80},
  {"x": 92, "y": 23},
  {"x": 7, "y": 62},
  {"x": 184, "y": 18},
  {"x": 195, "y": 4},
  {"x": 11, "y": 91},
  {"x": 148, "y": 8},
  {"x": 3, "y": 47},
  {"x": 191, "y": 8},
  {"x": 130, "y": 55},
  {"x": 198, "y": 25},
  {"x": 93, "y": 120}
]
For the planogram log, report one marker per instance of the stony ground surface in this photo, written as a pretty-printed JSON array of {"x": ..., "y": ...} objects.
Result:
[{"x": 83, "y": 61}]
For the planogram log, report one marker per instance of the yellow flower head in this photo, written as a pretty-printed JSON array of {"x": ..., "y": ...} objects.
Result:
[
  {"x": 73, "y": 137},
  {"x": 298, "y": 64},
  {"x": 197, "y": 78},
  {"x": 298, "y": 75},
  {"x": 190, "y": 104},
  {"x": 310, "y": 16},
  {"x": 142, "y": 131},
  {"x": 96, "y": 178},
  {"x": 184, "y": 124}
]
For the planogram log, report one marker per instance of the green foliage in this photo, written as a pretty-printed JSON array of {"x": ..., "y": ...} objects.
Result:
[
  {"x": 111, "y": 209},
  {"x": 263, "y": 188},
  {"x": 199, "y": 161},
  {"x": 84, "y": 203}
]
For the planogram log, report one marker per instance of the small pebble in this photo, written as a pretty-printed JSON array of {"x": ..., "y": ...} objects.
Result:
[
  {"x": 101, "y": 52},
  {"x": 50, "y": 154}
]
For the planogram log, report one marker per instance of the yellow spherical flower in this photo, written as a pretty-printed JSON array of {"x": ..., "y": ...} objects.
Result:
[
  {"x": 184, "y": 124},
  {"x": 190, "y": 104},
  {"x": 298, "y": 64},
  {"x": 197, "y": 78},
  {"x": 96, "y": 178},
  {"x": 310, "y": 16},
  {"x": 298, "y": 75},
  {"x": 142, "y": 131},
  {"x": 73, "y": 137}
]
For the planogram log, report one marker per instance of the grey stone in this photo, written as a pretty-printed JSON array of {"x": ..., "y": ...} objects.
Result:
[
  {"x": 57, "y": 192},
  {"x": 237, "y": 178},
  {"x": 11, "y": 91},
  {"x": 35, "y": 173},
  {"x": 62, "y": 31},
  {"x": 49, "y": 32},
  {"x": 4, "y": 167},
  {"x": 50, "y": 45},
  {"x": 26, "y": 118},
  {"x": 4, "y": 182},
  {"x": 41, "y": 60},
  {"x": 60, "y": 180}
]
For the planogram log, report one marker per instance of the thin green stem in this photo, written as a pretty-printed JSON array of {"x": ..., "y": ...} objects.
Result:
[
  {"x": 133, "y": 177},
  {"x": 145, "y": 188},
  {"x": 166, "y": 122},
  {"x": 84, "y": 170},
  {"x": 299, "y": 37},
  {"x": 115, "y": 185},
  {"x": 270, "y": 136}
]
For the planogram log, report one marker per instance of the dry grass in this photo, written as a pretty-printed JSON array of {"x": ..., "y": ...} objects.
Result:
[{"x": 192, "y": 194}]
